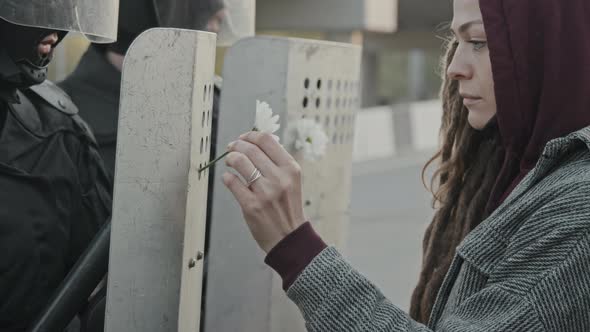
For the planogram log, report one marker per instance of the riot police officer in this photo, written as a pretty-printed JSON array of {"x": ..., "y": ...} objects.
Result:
[
  {"x": 94, "y": 85},
  {"x": 55, "y": 192}
]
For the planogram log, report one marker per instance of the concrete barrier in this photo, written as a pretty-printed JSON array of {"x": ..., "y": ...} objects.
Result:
[{"x": 376, "y": 136}]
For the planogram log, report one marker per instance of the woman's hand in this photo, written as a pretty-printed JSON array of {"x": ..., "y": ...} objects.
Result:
[{"x": 272, "y": 205}]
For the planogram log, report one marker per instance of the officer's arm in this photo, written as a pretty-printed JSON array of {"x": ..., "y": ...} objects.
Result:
[{"x": 96, "y": 202}]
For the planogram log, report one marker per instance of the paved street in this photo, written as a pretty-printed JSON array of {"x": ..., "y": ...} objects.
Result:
[{"x": 390, "y": 210}]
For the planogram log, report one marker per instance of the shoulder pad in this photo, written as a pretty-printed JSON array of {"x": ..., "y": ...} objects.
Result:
[
  {"x": 43, "y": 118},
  {"x": 85, "y": 128},
  {"x": 56, "y": 97}
]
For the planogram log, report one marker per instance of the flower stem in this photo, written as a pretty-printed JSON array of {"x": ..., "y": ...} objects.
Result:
[
  {"x": 218, "y": 158},
  {"x": 214, "y": 161}
]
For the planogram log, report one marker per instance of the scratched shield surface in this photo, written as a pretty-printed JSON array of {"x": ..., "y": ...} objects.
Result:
[
  {"x": 299, "y": 79},
  {"x": 159, "y": 209}
]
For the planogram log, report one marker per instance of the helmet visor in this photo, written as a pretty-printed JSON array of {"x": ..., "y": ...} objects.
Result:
[{"x": 96, "y": 19}]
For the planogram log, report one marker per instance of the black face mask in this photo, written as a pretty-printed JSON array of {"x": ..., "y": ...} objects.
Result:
[{"x": 21, "y": 65}]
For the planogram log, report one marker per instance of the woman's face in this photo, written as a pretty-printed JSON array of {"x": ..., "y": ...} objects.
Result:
[{"x": 471, "y": 65}]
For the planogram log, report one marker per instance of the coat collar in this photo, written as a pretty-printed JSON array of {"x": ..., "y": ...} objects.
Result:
[{"x": 485, "y": 245}]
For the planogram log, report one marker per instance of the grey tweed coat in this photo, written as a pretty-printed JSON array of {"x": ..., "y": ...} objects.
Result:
[{"x": 525, "y": 268}]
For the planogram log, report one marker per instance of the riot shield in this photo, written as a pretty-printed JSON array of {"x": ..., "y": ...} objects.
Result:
[
  {"x": 298, "y": 78},
  {"x": 159, "y": 208}
]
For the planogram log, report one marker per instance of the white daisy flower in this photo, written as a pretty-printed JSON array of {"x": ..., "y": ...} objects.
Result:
[
  {"x": 265, "y": 121},
  {"x": 309, "y": 137}
]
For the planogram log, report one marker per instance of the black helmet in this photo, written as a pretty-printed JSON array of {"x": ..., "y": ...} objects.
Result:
[{"x": 25, "y": 24}]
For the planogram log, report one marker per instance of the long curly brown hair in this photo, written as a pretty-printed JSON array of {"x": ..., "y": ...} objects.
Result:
[{"x": 469, "y": 162}]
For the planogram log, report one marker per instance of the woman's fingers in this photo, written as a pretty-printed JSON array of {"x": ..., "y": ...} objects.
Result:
[
  {"x": 257, "y": 157},
  {"x": 242, "y": 194},
  {"x": 273, "y": 208},
  {"x": 269, "y": 146},
  {"x": 241, "y": 163}
]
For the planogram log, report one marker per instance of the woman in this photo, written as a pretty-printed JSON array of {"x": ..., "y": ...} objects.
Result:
[
  {"x": 471, "y": 159},
  {"x": 521, "y": 68}
]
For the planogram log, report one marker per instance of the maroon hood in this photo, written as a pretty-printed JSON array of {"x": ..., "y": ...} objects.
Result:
[{"x": 540, "y": 53}]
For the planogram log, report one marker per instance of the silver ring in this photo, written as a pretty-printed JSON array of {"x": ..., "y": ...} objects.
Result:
[{"x": 254, "y": 177}]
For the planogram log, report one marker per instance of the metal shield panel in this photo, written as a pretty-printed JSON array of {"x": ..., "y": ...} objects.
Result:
[
  {"x": 298, "y": 78},
  {"x": 155, "y": 270}
]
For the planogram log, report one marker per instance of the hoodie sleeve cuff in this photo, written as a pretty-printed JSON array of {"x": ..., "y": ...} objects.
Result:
[{"x": 292, "y": 255}]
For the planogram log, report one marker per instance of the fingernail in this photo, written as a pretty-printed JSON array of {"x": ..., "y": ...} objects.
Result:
[
  {"x": 231, "y": 145},
  {"x": 243, "y": 135},
  {"x": 225, "y": 178}
]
